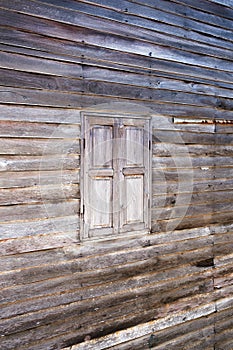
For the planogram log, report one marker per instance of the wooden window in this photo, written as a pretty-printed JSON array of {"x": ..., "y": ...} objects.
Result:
[{"x": 115, "y": 176}]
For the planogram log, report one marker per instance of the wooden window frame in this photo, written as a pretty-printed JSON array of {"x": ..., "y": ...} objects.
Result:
[{"x": 85, "y": 116}]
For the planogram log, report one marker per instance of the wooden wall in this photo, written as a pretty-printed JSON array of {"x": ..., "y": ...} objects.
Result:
[{"x": 173, "y": 58}]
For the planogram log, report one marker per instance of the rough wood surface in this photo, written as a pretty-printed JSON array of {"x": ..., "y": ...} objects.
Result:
[{"x": 171, "y": 289}]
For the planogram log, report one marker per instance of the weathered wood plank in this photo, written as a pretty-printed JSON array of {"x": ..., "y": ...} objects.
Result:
[
  {"x": 46, "y": 241},
  {"x": 38, "y": 194},
  {"x": 12, "y": 57},
  {"x": 191, "y": 252},
  {"x": 45, "y": 238},
  {"x": 39, "y": 130},
  {"x": 143, "y": 11},
  {"x": 224, "y": 2},
  {"x": 145, "y": 329},
  {"x": 196, "y": 162},
  {"x": 166, "y": 213},
  {"x": 89, "y": 72},
  {"x": 159, "y": 27},
  {"x": 224, "y": 129},
  {"x": 167, "y": 149},
  {"x": 209, "y": 7},
  {"x": 29, "y": 146},
  {"x": 167, "y": 335},
  {"x": 38, "y": 211},
  {"x": 79, "y": 333},
  {"x": 180, "y": 137},
  {"x": 64, "y": 230},
  {"x": 37, "y": 163},
  {"x": 40, "y": 114},
  {"x": 41, "y": 82},
  {"x": 69, "y": 17},
  {"x": 184, "y": 222},
  {"x": 191, "y": 175},
  {"x": 169, "y": 200},
  {"x": 38, "y": 178},
  {"x": 99, "y": 103},
  {"x": 196, "y": 187},
  {"x": 112, "y": 308}
]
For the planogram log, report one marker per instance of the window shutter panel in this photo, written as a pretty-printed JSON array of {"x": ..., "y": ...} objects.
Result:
[
  {"x": 99, "y": 177},
  {"x": 115, "y": 176},
  {"x": 135, "y": 182}
]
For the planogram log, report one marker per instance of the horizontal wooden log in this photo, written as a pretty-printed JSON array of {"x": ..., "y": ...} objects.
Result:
[
  {"x": 43, "y": 65},
  {"x": 170, "y": 336},
  {"x": 223, "y": 2},
  {"x": 180, "y": 137},
  {"x": 48, "y": 241},
  {"x": 140, "y": 331},
  {"x": 224, "y": 129},
  {"x": 166, "y": 213},
  {"x": 41, "y": 82},
  {"x": 40, "y": 178},
  {"x": 73, "y": 325},
  {"x": 142, "y": 47},
  {"x": 192, "y": 174},
  {"x": 170, "y": 200},
  {"x": 190, "y": 253},
  {"x": 164, "y": 188},
  {"x": 106, "y": 103},
  {"x": 89, "y": 73},
  {"x": 38, "y": 194},
  {"x": 50, "y": 233},
  {"x": 88, "y": 57},
  {"x": 38, "y": 211},
  {"x": 48, "y": 130},
  {"x": 211, "y": 7},
  {"x": 179, "y": 9},
  {"x": 68, "y": 16},
  {"x": 162, "y": 123},
  {"x": 42, "y": 240},
  {"x": 37, "y": 163},
  {"x": 223, "y": 249},
  {"x": 184, "y": 222},
  {"x": 28, "y": 146},
  {"x": 167, "y": 149},
  {"x": 176, "y": 162},
  {"x": 37, "y": 114},
  {"x": 114, "y": 313}
]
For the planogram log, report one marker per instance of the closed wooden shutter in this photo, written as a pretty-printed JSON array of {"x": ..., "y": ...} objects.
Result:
[
  {"x": 115, "y": 187},
  {"x": 134, "y": 172}
]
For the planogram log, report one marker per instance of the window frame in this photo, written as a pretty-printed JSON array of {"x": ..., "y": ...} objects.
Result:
[{"x": 83, "y": 165}]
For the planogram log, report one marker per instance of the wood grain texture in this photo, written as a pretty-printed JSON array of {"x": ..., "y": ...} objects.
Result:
[{"x": 170, "y": 289}]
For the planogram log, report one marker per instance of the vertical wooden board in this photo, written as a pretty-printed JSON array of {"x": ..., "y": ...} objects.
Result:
[
  {"x": 102, "y": 146},
  {"x": 98, "y": 175},
  {"x": 101, "y": 203},
  {"x": 134, "y": 143},
  {"x": 135, "y": 175},
  {"x": 134, "y": 202}
]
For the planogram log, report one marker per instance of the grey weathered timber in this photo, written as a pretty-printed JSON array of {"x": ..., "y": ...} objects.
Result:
[{"x": 81, "y": 81}]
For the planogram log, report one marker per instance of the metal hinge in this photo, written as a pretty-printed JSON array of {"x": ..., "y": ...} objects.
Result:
[
  {"x": 149, "y": 144},
  {"x": 84, "y": 143}
]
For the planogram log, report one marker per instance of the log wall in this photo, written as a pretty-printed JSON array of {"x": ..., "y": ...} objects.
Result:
[{"x": 171, "y": 289}]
